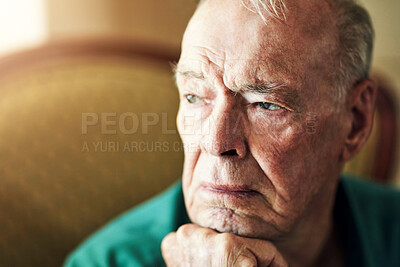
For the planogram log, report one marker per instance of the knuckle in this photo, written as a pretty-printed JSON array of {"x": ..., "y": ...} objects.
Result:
[
  {"x": 184, "y": 230},
  {"x": 190, "y": 231},
  {"x": 225, "y": 242},
  {"x": 207, "y": 233}
]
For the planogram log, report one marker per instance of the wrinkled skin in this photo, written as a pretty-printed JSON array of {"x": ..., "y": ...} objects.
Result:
[
  {"x": 205, "y": 247},
  {"x": 265, "y": 165}
]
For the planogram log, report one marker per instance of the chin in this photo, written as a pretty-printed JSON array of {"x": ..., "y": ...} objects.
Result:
[{"x": 226, "y": 220}]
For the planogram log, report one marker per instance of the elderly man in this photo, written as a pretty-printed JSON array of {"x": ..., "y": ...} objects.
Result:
[{"x": 261, "y": 187}]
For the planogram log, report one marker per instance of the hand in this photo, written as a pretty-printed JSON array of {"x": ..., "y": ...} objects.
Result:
[{"x": 193, "y": 245}]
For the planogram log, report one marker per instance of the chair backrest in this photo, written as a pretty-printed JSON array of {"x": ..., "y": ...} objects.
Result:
[{"x": 87, "y": 130}]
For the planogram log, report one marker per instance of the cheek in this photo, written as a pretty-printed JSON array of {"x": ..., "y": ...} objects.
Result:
[
  {"x": 286, "y": 152},
  {"x": 299, "y": 155},
  {"x": 186, "y": 122},
  {"x": 280, "y": 145},
  {"x": 188, "y": 128},
  {"x": 190, "y": 122}
]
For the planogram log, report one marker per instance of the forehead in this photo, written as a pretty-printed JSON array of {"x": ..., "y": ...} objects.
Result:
[{"x": 223, "y": 36}]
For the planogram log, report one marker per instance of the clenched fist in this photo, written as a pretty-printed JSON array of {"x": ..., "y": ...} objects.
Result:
[{"x": 193, "y": 245}]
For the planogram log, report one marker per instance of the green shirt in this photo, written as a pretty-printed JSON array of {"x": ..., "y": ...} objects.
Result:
[{"x": 367, "y": 218}]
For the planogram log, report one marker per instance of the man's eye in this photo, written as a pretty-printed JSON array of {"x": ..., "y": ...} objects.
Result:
[
  {"x": 269, "y": 106},
  {"x": 192, "y": 99}
]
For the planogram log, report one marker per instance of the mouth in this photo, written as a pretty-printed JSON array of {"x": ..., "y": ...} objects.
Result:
[{"x": 240, "y": 191}]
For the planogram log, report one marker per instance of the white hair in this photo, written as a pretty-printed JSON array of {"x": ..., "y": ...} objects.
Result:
[{"x": 274, "y": 8}]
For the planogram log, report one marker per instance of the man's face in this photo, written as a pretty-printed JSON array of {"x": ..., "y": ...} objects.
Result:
[{"x": 257, "y": 117}]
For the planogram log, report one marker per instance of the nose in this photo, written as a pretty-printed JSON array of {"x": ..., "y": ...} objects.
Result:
[{"x": 224, "y": 132}]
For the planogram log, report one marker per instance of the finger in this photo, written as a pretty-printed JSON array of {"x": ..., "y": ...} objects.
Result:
[
  {"x": 265, "y": 252},
  {"x": 194, "y": 244},
  {"x": 244, "y": 260},
  {"x": 234, "y": 250},
  {"x": 168, "y": 246}
]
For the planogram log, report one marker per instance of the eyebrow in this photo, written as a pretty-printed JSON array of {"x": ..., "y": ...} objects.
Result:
[
  {"x": 263, "y": 88},
  {"x": 186, "y": 72},
  {"x": 280, "y": 91}
]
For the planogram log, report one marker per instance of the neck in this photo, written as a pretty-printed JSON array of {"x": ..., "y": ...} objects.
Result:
[{"x": 311, "y": 235}]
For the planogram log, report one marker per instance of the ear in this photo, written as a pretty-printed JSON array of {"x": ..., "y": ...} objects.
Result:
[{"x": 361, "y": 106}]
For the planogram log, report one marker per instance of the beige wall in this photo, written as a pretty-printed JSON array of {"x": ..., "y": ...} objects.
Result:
[{"x": 156, "y": 20}]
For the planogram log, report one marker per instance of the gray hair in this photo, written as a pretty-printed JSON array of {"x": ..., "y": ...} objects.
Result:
[
  {"x": 274, "y": 8},
  {"x": 356, "y": 36}
]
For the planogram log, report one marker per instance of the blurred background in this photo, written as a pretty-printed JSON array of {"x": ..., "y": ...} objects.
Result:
[{"x": 60, "y": 59}]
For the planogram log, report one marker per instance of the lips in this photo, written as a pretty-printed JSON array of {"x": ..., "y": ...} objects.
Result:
[{"x": 232, "y": 190}]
